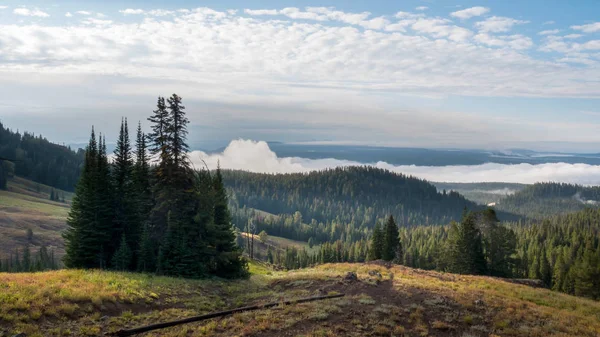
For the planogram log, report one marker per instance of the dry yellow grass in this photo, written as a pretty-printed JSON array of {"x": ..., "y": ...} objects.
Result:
[{"x": 404, "y": 302}]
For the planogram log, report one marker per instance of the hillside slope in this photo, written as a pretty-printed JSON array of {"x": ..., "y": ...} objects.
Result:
[
  {"x": 27, "y": 205},
  {"x": 340, "y": 203},
  {"x": 398, "y": 301},
  {"x": 545, "y": 199}
]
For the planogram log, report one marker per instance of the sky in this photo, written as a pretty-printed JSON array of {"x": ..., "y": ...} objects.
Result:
[{"x": 437, "y": 74}]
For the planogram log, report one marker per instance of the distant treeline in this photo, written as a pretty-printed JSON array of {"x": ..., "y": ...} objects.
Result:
[
  {"x": 166, "y": 219},
  {"x": 339, "y": 204},
  {"x": 541, "y": 200},
  {"x": 37, "y": 159},
  {"x": 25, "y": 261}
]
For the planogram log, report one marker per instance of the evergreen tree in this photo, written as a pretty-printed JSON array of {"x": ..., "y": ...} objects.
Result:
[
  {"x": 141, "y": 179},
  {"x": 229, "y": 262},
  {"x": 125, "y": 211},
  {"x": 392, "y": 249},
  {"x": 465, "y": 247},
  {"x": 83, "y": 249},
  {"x": 146, "y": 254},
  {"x": 377, "y": 241},
  {"x": 3, "y": 176},
  {"x": 121, "y": 260}
]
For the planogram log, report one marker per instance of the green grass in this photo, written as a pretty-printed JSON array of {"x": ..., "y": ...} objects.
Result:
[{"x": 413, "y": 302}]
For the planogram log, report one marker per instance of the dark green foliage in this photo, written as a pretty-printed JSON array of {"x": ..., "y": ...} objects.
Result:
[
  {"x": 126, "y": 222},
  {"x": 146, "y": 260},
  {"x": 543, "y": 199},
  {"x": 464, "y": 249},
  {"x": 3, "y": 176},
  {"x": 122, "y": 258},
  {"x": 88, "y": 235},
  {"x": 341, "y": 203},
  {"x": 39, "y": 261},
  {"x": 377, "y": 242},
  {"x": 392, "y": 248},
  {"x": 38, "y": 160},
  {"x": 166, "y": 219}
]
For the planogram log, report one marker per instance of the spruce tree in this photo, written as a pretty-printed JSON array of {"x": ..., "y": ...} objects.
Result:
[
  {"x": 377, "y": 241},
  {"x": 228, "y": 259},
  {"x": 392, "y": 250},
  {"x": 465, "y": 248},
  {"x": 141, "y": 178},
  {"x": 121, "y": 260},
  {"x": 3, "y": 176},
  {"x": 125, "y": 211},
  {"x": 81, "y": 244}
]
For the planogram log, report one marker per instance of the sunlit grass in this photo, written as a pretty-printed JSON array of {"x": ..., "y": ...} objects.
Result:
[{"x": 75, "y": 302}]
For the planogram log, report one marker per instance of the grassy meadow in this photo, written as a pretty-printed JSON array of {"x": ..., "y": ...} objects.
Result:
[{"x": 397, "y": 301}]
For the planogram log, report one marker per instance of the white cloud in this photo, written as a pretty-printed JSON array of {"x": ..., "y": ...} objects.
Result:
[
  {"x": 297, "y": 61},
  {"x": 131, "y": 11},
  {"x": 3, "y": 7},
  {"x": 548, "y": 23},
  {"x": 470, "y": 12},
  {"x": 31, "y": 12},
  {"x": 258, "y": 157},
  {"x": 97, "y": 22},
  {"x": 422, "y": 8},
  {"x": 498, "y": 24},
  {"x": 589, "y": 28},
  {"x": 549, "y": 32},
  {"x": 517, "y": 41},
  {"x": 68, "y": 14},
  {"x": 86, "y": 13},
  {"x": 261, "y": 11},
  {"x": 572, "y": 36},
  {"x": 439, "y": 28}
]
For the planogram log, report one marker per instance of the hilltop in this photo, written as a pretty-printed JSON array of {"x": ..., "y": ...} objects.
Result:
[
  {"x": 541, "y": 200},
  {"x": 398, "y": 301}
]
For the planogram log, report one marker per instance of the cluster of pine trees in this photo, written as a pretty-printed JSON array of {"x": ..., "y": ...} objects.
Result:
[
  {"x": 28, "y": 262},
  {"x": 165, "y": 218},
  {"x": 38, "y": 159},
  {"x": 384, "y": 245}
]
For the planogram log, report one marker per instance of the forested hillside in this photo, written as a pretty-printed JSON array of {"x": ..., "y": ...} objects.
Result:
[
  {"x": 341, "y": 203},
  {"x": 38, "y": 159},
  {"x": 545, "y": 199}
]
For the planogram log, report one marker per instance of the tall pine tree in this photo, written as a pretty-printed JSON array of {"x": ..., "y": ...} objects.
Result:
[{"x": 392, "y": 249}]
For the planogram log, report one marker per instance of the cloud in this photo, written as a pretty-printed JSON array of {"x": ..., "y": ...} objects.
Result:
[
  {"x": 440, "y": 28},
  {"x": 470, "y": 12},
  {"x": 589, "y": 28},
  {"x": 83, "y": 13},
  {"x": 548, "y": 23},
  {"x": 68, "y": 14},
  {"x": 256, "y": 156},
  {"x": 422, "y": 8},
  {"x": 572, "y": 36},
  {"x": 261, "y": 11},
  {"x": 131, "y": 11},
  {"x": 298, "y": 61},
  {"x": 549, "y": 32},
  {"x": 498, "y": 24},
  {"x": 517, "y": 41},
  {"x": 3, "y": 7},
  {"x": 31, "y": 12}
]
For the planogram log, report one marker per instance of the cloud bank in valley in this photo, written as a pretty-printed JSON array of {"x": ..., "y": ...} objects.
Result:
[{"x": 256, "y": 156}]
